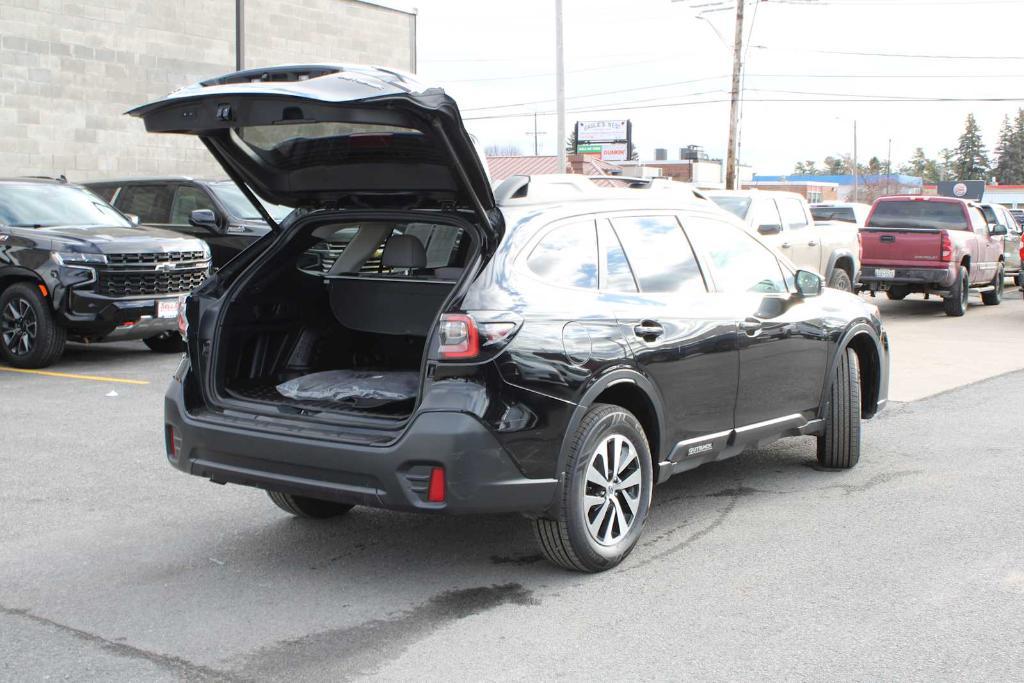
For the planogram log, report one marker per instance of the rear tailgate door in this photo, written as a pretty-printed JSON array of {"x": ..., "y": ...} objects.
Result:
[
  {"x": 901, "y": 247},
  {"x": 908, "y": 231}
]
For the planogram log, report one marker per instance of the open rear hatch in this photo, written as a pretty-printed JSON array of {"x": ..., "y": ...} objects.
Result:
[{"x": 337, "y": 315}]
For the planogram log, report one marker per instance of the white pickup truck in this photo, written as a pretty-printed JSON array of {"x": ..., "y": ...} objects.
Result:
[{"x": 784, "y": 222}]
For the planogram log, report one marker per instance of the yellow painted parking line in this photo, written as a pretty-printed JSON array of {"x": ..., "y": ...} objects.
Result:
[{"x": 68, "y": 375}]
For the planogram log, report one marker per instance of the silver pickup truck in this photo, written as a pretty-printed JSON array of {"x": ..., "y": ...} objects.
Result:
[{"x": 784, "y": 221}]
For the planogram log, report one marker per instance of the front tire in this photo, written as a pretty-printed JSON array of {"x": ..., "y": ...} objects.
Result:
[
  {"x": 995, "y": 296},
  {"x": 840, "y": 280},
  {"x": 955, "y": 304},
  {"x": 167, "y": 342},
  {"x": 839, "y": 445},
  {"x": 606, "y": 493},
  {"x": 308, "y": 508},
  {"x": 29, "y": 335}
]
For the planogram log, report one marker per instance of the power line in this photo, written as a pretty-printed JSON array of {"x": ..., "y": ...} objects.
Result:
[
  {"x": 854, "y": 53},
  {"x": 596, "y": 94}
]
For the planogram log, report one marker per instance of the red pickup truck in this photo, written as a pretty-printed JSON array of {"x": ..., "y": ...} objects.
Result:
[{"x": 935, "y": 245}]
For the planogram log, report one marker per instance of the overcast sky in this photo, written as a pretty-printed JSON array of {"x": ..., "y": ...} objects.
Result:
[{"x": 646, "y": 53}]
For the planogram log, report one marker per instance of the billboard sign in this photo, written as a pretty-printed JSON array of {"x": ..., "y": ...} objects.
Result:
[
  {"x": 963, "y": 189},
  {"x": 612, "y": 139}
]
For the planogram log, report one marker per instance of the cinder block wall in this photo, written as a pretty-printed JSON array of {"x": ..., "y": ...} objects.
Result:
[{"x": 69, "y": 69}]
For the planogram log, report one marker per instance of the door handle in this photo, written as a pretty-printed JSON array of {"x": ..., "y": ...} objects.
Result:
[
  {"x": 785, "y": 245},
  {"x": 812, "y": 243},
  {"x": 648, "y": 330},
  {"x": 752, "y": 326}
]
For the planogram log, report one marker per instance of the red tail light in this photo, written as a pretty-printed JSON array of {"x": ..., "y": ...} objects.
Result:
[
  {"x": 947, "y": 247},
  {"x": 460, "y": 338},
  {"x": 436, "y": 490}
]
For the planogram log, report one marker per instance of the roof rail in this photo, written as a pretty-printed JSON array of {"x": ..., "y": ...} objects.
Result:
[{"x": 568, "y": 186}]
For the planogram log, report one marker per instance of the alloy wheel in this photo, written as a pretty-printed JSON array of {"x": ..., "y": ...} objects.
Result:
[
  {"x": 612, "y": 492},
  {"x": 18, "y": 327}
]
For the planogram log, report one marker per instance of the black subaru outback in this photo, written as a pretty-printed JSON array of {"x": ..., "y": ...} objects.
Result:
[
  {"x": 73, "y": 268},
  {"x": 548, "y": 347}
]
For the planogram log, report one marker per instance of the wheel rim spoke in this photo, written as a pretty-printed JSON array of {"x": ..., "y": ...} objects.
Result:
[{"x": 612, "y": 490}]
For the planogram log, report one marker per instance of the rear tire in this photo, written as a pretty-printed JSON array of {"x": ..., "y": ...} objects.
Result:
[
  {"x": 308, "y": 508},
  {"x": 29, "y": 335},
  {"x": 955, "y": 304},
  {"x": 840, "y": 280},
  {"x": 896, "y": 294},
  {"x": 167, "y": 342},
  {"x": 605, "y": 496},
  {"x": 995, "y": 296},
  {"x": 839, "y": 445}
]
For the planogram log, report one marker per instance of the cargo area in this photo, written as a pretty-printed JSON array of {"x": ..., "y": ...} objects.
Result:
[{"x": 339, "y": 322}]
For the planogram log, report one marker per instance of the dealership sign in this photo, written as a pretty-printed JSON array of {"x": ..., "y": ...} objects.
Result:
[{"x": 613, "y": 139}]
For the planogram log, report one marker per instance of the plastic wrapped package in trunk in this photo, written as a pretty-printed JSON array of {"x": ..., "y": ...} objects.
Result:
[{"x": 355, "y": 388}]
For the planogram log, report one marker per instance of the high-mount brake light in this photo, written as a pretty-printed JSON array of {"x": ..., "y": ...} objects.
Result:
[{"x": 460, "y": 338}]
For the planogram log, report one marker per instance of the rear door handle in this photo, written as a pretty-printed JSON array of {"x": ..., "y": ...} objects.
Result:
[
  {"x": 785, "y": 245},
  {"x": 648, "y": 330},
  {"x": 751, "y": 326}
]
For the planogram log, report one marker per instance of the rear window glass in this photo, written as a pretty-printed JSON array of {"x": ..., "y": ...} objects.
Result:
[
  {"x": 268, "y": 138},
  {"x": 833, "y": 213},
  {"x": 444, "y": 250},
  {"x": 737, "y": 206},
  {"x": 660, "y": 254},
  {"x": 918, "y": 214}
]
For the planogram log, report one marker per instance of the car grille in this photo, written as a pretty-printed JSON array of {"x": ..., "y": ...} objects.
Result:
[{"x": 151, "y": 274}]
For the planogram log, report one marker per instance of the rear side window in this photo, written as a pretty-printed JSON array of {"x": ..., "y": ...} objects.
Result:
[
  {"x": 151, "y": 203},
  {"x": 793, "y": 215},
  {"x": 918, "y": 213},
  {"x": 737, "y": 206},
  {"x": 660, "y": 255},
  {"x": 618, "y": 276},
  {"x": 567, "y": 256},
  {"x": 104, "y": 192},
  {"x": 739, "y": 262}
]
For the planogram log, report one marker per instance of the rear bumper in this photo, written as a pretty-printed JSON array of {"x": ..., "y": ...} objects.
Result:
[
  {"x": 940, "y": 278},
  {"x": 480, "y": 476}
]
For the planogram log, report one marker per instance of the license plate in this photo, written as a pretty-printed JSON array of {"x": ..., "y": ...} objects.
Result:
[
  {"x": 167, "y": 309},
  {"x": 885, "y": 272}
]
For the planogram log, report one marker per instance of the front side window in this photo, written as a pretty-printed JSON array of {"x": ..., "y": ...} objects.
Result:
[
  {"x": 567, "y": 256},
  {"x": 793, "y": 215},
  {"x": 737, "y": 206},
  {"x": 660, "y": 254},
  {"x": 151, "y": 203},
  {"x": 766, "y": 213},
  {"x": 45, "y": 205},
  {"x": 739, "y": 262},
  {"x": 186, "y": 200}
]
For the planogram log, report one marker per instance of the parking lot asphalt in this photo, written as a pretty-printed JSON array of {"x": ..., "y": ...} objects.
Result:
[{"x": 911, "y": 566}]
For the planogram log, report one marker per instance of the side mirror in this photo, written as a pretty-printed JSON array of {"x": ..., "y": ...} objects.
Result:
[
  {"x": 769, "y": 229},
  {"x": 203, "y": 218},
  {"x": 996, "y": 230},
  {"x": 133, "y": 218},
  {"x": 808, "y": 284}
]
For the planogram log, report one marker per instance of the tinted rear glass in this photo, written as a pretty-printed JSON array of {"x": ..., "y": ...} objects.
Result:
[
  {"x": 918, "y": 214},
  {"x": 833, "y": 213}
]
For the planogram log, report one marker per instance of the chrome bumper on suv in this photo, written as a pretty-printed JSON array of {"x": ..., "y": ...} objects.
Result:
[{"x": 479, "y": 474}]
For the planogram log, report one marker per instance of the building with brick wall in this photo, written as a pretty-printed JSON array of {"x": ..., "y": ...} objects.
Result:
[
  {"x": 812, "y": 191},
  {"x": 69, "y": 71}
]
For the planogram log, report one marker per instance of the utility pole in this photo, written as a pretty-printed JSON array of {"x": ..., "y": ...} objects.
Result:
[
  {"x": 239, "y": 35},
  {"x": 559, "y": 87},
  {"x": 734, "y": 98},
  {"x": 536, "y": 135},
  {"x": 856, "y": 168}
]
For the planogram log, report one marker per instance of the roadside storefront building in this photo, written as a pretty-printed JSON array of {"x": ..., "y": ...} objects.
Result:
[{"x": 69, "y": 71}]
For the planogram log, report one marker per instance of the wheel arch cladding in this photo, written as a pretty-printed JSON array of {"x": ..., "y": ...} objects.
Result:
[
  {"x": 845, "y": 262},
  {"x": 870, "y": 371},
  {"x": 11, "y": 278},
  {"x": 631, "y": 397}
]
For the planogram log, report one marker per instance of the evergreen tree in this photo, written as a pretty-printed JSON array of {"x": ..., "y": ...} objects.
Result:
[
  {"x": 970, "y": 161},
  {"x": 918, "y": 164},
  {"x": 805, "y": 168},
  {"x": 1005, "y": 170},
  {"x": 874, "y": 166},
  {"x": 1017, "y": 149},
  {"x": 944, "y": 167}
]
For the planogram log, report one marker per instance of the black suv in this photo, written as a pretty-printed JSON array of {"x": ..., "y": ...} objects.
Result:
[
  {"x": 74, "y": 268},
  {"x": 215, "y": 211},
  {"x": 548, "y": 347}
]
